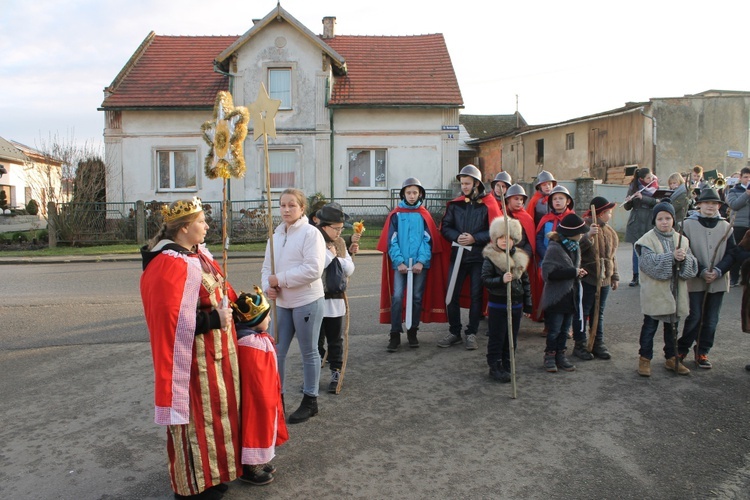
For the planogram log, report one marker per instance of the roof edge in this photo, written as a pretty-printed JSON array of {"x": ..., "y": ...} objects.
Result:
[{"x": 131, "y": 62}]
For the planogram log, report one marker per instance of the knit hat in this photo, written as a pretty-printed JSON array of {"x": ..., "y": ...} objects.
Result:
[
  {"x": 497, "y": 229},
  {"x": 571, "y": 225},
  {"x": 600, "y": 204},
  {"x": 663, "y": 206},
  {"x": 251, "y": 308},
  {"x": 708, "y": 194}
]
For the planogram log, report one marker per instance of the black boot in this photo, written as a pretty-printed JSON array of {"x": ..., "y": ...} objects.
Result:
[
  {"x": 600, "y": 350},
  {"x": 307, "y": 408},
  {"x": 411, "y": 336},
  {"x": 255, "y": 474},
  {"x": 549, "y": 362},
  {"x": 635, "y": 280},
  {"x": 580, "y": 352},
  {"x": 562, "y": 361},
  {"x": 498, "y": 372},
  {"x": 394, "y": 342}
]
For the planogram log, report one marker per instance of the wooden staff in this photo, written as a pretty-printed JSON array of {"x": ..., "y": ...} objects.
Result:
[
  {"x": 509, "y": 306},
  {"x": 346, "y": 347},
  {"x": 270, "y": 233},
  {"x": 598, "y": 296}
]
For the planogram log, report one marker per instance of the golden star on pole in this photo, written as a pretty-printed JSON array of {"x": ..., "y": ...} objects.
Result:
[
  {"x": 263, "y": 114},
  {"x": 225, "y": 135}
]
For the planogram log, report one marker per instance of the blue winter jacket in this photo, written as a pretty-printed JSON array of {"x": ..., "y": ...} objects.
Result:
[{"x": 408, "y": 237}]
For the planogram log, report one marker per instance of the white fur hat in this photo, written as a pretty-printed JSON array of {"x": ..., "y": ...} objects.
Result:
[{"x": 497, "y": 229}]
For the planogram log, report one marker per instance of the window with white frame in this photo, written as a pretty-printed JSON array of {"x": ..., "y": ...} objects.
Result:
[
  {"x": 177, "y": 170},
  {"x": 280, "y": 86},
  {"x": 284, "y": 167},
  {"x": 367, "y": 168}
]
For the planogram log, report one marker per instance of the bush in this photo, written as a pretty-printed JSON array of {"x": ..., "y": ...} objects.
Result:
[
  {"x": 19, "y": 237},
  {"x": 32, "y": 207}
]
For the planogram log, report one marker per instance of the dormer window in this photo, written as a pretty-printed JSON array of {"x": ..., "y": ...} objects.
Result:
[{"x": 280, "y": 86}]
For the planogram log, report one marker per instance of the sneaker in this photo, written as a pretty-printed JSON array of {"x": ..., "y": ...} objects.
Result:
[
  {"x": 734, "y": 284},
  {"x": 394, "y": 342},
  {"x": 681, "y": 369},
  {"x": 254, "y": 474},
  {"x": 411, "y": 336},
  {"x": 701, "y": 361},
  {"x": 449, "y": 340},
  {"x": 549, "y": 362},
  {"x": 334, "y": 383},
  {"x": 471, "y": 342},
  {"x": 563, "y": 362}
]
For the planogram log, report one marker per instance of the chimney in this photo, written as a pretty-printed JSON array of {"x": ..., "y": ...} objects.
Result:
[{"x": 329, "y": 27}]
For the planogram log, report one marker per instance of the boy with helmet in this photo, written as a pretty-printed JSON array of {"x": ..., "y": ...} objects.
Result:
[
  {"x": 500, "y": 185},
  {"x": 410, "y": 241},
  {"x": 538, "y": 205},
  {"x": 466, "y": 226}
]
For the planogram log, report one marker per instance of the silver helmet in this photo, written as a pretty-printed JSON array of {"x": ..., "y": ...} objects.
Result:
[
  {"x": 543, "y": 177},
  {"x": 501, "y": 177},
  {"x": 516, "y": 190},
  {"x": 563, "y": 190},
  {"x": 474, "y": 173},
  {"x": 412, "y": 181}
]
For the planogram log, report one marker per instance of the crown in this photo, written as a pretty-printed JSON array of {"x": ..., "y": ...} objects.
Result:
[
  {"x": 251, "y": 308},
  {"x": 181, "y": 209}
]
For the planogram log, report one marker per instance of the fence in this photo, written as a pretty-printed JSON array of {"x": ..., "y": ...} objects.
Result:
[{"x": 136, "y": 222}]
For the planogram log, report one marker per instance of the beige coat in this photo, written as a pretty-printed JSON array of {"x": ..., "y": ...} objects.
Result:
[{"x": 656, "y": 295}]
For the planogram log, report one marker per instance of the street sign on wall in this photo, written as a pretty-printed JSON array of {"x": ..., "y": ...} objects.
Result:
[{"x": 735, "y": 154}]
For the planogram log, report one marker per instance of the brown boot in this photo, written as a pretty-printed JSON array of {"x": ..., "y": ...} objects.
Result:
[
  {"x": 681, "y": 368},
  {"x": 644, "y": 367}
]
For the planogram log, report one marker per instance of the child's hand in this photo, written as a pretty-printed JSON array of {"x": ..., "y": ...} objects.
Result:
[
  {"x": 507, "y": 277},
  {"x": 272, "y": 293},
  {"x": 354, "y": 248},
  {"x": 679, "y": 254},
  {"x": 710, "y": 276},
  {"x": 594, "y": 229},
  {"x": 582, "y": 272},
  {"x": 417, "y": 268},
  {"x": 225, "y": 317},
  {"x": 402, "y": 268},
  {"x": 356, "y": 237}
]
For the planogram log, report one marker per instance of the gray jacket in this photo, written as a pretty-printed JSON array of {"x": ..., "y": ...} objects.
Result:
[
  {"x": 739, "y": 201},
  {"x": 639, "y": 221}
]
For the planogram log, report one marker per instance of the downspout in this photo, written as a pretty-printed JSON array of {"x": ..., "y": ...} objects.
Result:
[
  {"x": 330, "y": 118},
  {"x": 653, "y": 140}
]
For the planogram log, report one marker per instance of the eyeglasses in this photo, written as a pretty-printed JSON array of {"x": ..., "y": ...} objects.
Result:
[{"x": 337, "y": 229}]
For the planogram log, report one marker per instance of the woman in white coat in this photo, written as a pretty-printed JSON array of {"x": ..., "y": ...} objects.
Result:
[{"x": 299, "y": 259}]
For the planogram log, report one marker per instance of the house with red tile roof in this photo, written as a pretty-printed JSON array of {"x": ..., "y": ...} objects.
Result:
[{"x": 359, "y": 114}]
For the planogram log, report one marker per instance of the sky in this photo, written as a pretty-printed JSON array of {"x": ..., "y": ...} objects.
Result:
[{"x": 562, "y": 60}]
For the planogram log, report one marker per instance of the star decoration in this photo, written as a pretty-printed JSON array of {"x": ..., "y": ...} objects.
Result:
[
  {"x": 263, "y": 113},
  {"x": 225, "y": 135}
]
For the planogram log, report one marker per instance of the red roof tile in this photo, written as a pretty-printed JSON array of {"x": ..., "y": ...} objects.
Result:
[
  {"x": 395, "y": 70},
  {"x": 172, "y": 71},
  {"x": 177, "y": 71}
]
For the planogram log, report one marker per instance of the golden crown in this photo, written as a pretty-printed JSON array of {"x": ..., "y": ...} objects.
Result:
[
  {"x": 181, "y": 209},
  {"x": 246, "y": 310}
]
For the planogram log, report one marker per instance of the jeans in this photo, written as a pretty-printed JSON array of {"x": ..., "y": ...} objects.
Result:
[
  {"x": 304, "y": 321},
  {"x": 558, "y": 325},
  {"x": 589, "y": 298},
  {"x": 472, "y": 270},
  {"x": 332, "y": 332},
  {"x": 397, "y": 299},
  {"x": 497, "y": 344},
  {"x": 690, "y": 333},
  {"x": 648, "y": 331}
]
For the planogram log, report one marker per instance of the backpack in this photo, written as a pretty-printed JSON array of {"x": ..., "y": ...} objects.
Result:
[{"x": 334, "y": 279}]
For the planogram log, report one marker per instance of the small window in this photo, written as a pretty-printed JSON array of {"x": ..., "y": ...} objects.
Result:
[
  {"x": 284, "y": 169},
  {"x": 280, "y": 86},
  {"x": 570, "y": 142},
  {"x": 367, "y": 168},
  {"x": 540, "y": 152},
  {"x": 177, "y": 170}
]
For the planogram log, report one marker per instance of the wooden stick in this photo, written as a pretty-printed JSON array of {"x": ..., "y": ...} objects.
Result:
[
  {"x": 598, "y": 296},
  {"x": 270, "y": 232},
  {"x": 346, "y": 347},
  {"x": 509, "y": 306}
]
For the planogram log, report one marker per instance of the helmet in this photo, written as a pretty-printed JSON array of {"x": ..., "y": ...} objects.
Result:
[
  {"x": 474, "y": 173},
  {"x": 412, "y": 181},
  {"x": 501, "y": 177},
  {"x": 544, "y": 176},
  {"x": 563, "y": 190},
  {"x": 516, "y": 190}
]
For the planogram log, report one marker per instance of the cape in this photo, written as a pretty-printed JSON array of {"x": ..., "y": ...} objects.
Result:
[
  {"x": 532, "y": 203},
  {"x": 527, "y": 222},
  {"x": 493, "y": 211},
  {"x": 433, "y": 302}
]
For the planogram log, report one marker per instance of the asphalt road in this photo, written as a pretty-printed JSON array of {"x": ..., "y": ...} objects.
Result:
[{"x": 77, "y": 414}]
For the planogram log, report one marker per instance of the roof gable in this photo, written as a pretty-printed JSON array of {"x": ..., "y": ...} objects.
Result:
[
  {"x": 395, "y": 70},
  {"x": 11, "y": 153},
  {"x": 276, "y": 15}
]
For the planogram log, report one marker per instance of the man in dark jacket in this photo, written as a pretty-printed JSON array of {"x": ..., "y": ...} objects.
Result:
[
  {"x": 466, "y": 225},
  {"x": 738, "y": 199}
]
